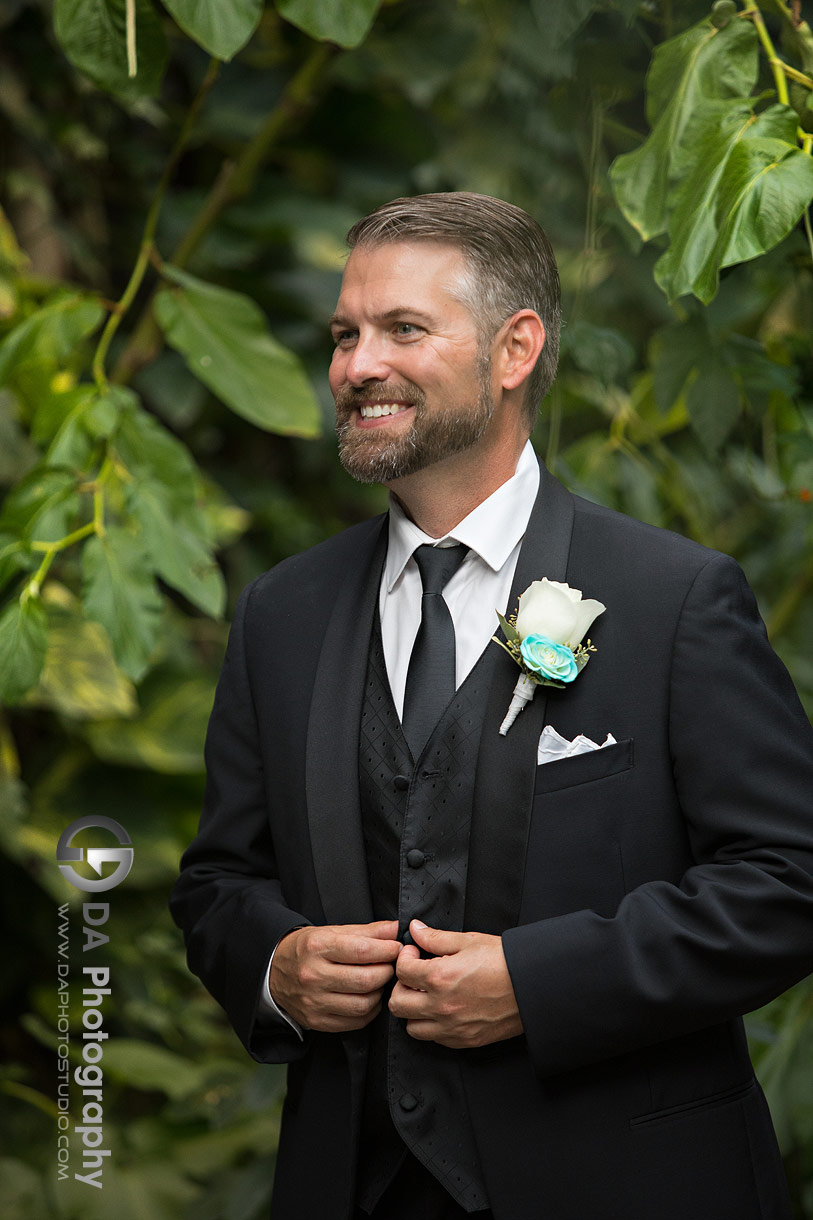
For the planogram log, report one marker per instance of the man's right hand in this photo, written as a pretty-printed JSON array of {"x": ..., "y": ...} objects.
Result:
[{"x": 332, "y": 978}]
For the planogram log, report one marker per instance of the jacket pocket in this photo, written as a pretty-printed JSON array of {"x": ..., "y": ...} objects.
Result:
[
  {"x": 584, "y": 768},
  {"x": 711, "y": 1101}
]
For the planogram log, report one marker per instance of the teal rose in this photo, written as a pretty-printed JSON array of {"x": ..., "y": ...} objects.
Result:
[{"x": 549, "y": 660}]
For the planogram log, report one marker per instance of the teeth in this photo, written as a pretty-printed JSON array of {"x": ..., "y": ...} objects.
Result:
[{"x": 382, "y": 408}]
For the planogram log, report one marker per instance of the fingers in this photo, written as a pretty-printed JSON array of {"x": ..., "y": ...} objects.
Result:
[
  {"x": 386, "y": 929},
  {"x": 355, "y": 943},
  {"x": 460, "y": 997},
  {"x": 332, "y": 978}
]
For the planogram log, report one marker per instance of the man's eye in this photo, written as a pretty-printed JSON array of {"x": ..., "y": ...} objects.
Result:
[
  {"x": 406, "y": 329},
  {"x": 343, "y": 338}
]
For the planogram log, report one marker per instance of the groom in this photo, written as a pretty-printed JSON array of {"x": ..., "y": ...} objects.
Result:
[{"x": 506, "y": 986}]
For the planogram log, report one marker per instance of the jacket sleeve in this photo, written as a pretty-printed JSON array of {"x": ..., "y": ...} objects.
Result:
[
  {"x": 738, "y": 928},
  {"x": 228, "y": 899}
]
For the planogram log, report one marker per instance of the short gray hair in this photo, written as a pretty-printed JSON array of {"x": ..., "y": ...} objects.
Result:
[{"x": 509, "y": 264}]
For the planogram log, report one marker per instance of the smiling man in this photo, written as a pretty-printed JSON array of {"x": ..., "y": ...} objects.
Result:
[{"x": 507, "y": 969}]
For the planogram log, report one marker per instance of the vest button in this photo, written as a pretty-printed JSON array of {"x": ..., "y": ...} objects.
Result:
[
  {"x": 408, "y": 1102},
  {"x": 401, "y": 782},
  {"x": 415, "y": 858}
]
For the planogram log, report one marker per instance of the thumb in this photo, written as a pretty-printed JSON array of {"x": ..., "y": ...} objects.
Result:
[{"x": 436, "y": 940}]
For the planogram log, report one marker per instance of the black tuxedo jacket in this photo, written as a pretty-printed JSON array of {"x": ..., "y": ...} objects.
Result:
[{"x": 648, "y": 893}]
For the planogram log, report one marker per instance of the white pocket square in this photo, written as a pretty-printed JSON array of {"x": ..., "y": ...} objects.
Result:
[{"x": 553, "y": 746}]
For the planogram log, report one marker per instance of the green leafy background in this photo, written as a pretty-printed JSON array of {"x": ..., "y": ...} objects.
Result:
[{"x": 175, "y": 196}]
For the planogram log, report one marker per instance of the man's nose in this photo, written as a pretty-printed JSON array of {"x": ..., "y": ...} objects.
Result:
[{"x": 368, "y": 361}]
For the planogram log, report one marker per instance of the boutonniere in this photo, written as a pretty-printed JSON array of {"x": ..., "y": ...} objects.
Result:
[{"x": 544, "y": 637}]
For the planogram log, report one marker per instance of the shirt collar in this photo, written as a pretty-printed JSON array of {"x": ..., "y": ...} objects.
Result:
[{"x": 491, "y": 530}]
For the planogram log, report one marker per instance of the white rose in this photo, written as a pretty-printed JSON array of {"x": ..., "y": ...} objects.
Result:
[{"x": 550, "y": 608}]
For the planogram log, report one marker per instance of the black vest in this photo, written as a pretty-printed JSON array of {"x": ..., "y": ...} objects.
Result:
[{"x": 416, "y": 817}]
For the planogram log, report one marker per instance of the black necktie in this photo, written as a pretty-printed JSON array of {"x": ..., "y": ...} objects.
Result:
[{"x": 430, "y": 681}]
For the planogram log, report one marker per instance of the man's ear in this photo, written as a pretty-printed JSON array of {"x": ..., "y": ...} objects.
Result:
[{"x": 519, "y": 343}]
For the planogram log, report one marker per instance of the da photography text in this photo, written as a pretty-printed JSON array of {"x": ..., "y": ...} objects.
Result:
[{"x": 80, "y": 1052}]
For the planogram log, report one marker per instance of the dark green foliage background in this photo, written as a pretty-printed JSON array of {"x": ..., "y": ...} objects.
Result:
[{"x": 129, "y": 469}]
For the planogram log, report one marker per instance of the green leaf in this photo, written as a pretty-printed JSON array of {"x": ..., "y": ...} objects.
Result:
[
  {"x": 92, "y": 34},
  {"x": 70, "y": 443},
  {"x": 693, "y": 224},
  {"x": 42, "y": 507},
  {"x": 766, "y": 186},
  {"x": 674, "y": 354},
  {"x": 102, "y": 412},
  {"x": 80, "y": 677},
  {"x": 17, "y": 454},
  {"x": 225, "y": 340},
  {"x": 714, "y": 403},
  {"x": 345, "y": 22},
  {"x": 119, "y": 592},
  {"x": 48, "y": 337},
  {"x": 85, "y": 418},
  {"x": 221, "y": 29},
  {"x": 23, "y": 640},
  {"x": 150, "y": 451},
  {"x": 700, "y": 65},
  {"x": 143, "y": 1065},
  {"x": 179, "y": 552},
  {"x": 164, "y": 499},
  {"x": 14, "y": 557},
  {"x": 510, "y": 633},
  {"x": 169, "y": 734},
  {"x": 605, "y": 353}
]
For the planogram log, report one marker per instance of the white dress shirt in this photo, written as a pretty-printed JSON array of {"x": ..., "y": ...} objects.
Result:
[{"x": 480, "y": 587}]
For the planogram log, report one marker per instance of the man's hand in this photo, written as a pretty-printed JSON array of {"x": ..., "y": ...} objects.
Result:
[
  {"x": 331, "y": 978},
  {"x": 461, "y": 997}
]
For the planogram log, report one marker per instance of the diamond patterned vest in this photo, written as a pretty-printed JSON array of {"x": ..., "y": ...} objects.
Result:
[{"x": 416, "y": 819}]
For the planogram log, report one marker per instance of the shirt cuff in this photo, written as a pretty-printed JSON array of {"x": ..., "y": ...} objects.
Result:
[{"x": 269, "y": 1008}]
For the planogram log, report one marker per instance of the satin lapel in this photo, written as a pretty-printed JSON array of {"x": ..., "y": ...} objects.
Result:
[
  {"x": 331, "y": 768},
  {"x": 506, "y": 766}
]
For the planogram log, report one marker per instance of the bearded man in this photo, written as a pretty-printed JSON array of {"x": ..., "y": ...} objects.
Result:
[{"x": 506, "y": 965}]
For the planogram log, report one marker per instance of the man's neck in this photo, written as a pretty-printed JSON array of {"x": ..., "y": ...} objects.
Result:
[{"x": 440, "y": 496}]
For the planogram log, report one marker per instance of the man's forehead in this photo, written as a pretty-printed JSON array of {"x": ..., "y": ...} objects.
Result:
[
  {"x": 397, "y": 276},
  {"x": 407, "y": 253}
]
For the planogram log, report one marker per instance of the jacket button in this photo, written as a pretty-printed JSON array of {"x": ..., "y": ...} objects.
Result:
[
  {"x": 401, "y": 782},
  {"x": 415, "y": 858},
  {"x": 408, "y": 1102}
]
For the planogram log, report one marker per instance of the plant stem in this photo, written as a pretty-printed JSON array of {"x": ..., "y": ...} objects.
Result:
[
  {"x": 777, "y": 65},
  {"x": 52, "y": 548},
  {"x": 799, "y": 77},
  {"x": 130, "y": 18},
  {"x": 150, "y": 225},
  {"x": 235, "y": 180}
]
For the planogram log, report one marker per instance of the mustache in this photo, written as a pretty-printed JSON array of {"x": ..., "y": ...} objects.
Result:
[{"x": 349, "y": 398}]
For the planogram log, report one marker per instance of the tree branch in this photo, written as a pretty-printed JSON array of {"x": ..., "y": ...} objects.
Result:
[{"x": 234, "y": 181}]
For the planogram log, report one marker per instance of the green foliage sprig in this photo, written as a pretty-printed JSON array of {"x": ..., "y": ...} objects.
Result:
[{"x": 724, "y": 175}]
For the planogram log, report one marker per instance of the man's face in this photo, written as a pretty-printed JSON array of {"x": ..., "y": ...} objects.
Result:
[{"x": 411, "y": 384}]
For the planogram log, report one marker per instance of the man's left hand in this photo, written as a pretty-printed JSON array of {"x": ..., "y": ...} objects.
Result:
[{"x": 460, "y": 997}]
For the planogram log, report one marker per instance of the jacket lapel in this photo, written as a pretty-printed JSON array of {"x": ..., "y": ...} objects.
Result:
[
  {"x": 506, "y": 766},
  {"x": 331, "y": 774}
]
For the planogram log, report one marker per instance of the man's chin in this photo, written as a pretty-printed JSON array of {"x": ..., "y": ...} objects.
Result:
[{"x": 382, "y": 467}]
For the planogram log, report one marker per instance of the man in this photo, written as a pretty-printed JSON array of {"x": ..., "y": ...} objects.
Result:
[{"x": 505, "y": 986}]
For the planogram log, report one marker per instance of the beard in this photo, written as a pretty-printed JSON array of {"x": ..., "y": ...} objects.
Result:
[{"x": 371, "y": 456}]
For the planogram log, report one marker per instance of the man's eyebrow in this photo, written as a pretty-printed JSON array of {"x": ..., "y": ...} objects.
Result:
[{"x": 399, "y": 311}]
